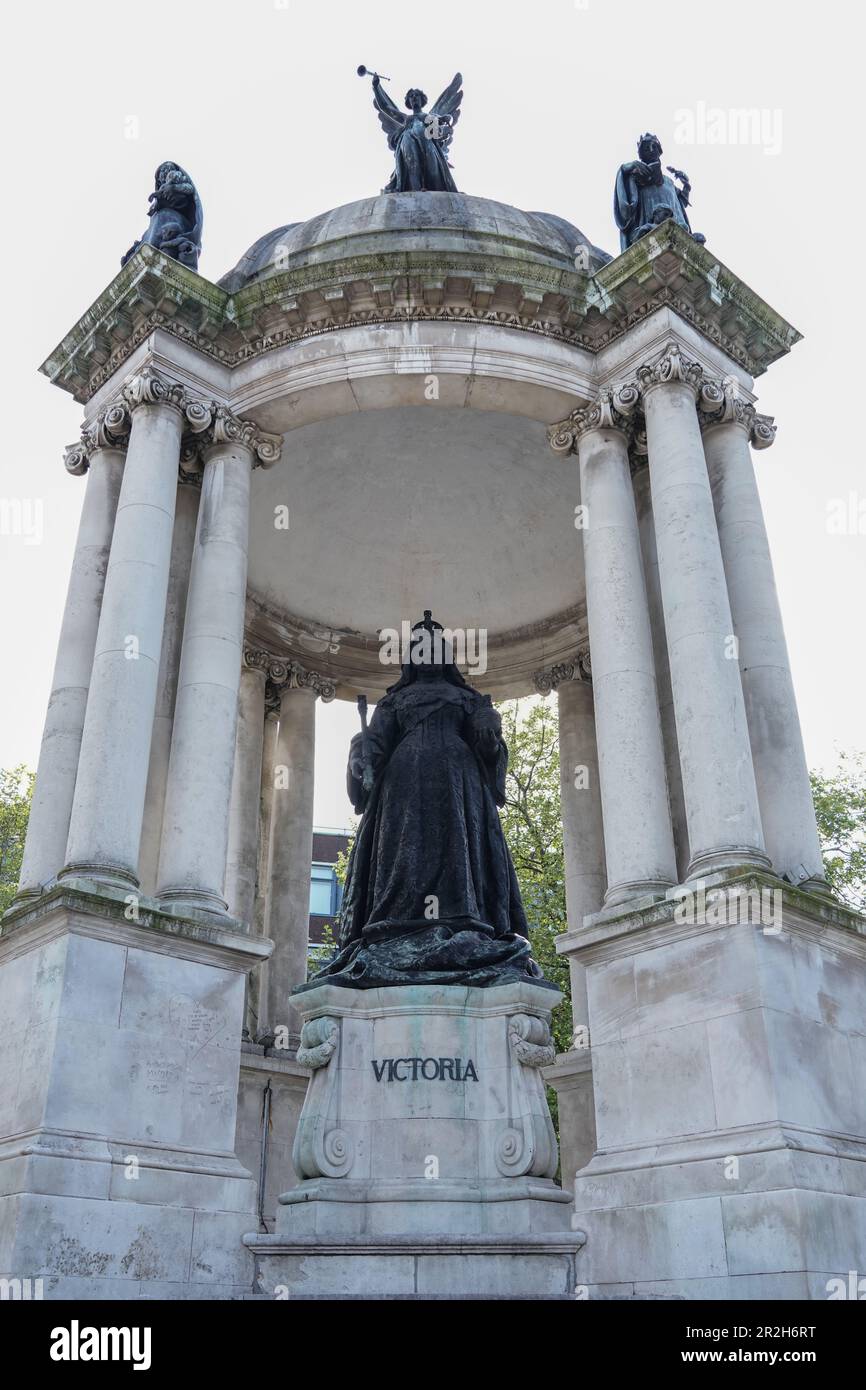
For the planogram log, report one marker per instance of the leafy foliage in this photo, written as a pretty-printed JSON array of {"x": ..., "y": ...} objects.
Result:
[
  {"x": 16, "y": 791},
  {"x": 532, "y": 821},
  {"x": 840, "y": 806}
]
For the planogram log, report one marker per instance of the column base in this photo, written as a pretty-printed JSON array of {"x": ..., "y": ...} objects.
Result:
[
  {"x": 111, "y": 874},
  {"x": 118, "y": 1095},
  {"x": 643, "y": 890},
  {"x": 182, "y": 899},
  {"x": 726, "y": 858}
]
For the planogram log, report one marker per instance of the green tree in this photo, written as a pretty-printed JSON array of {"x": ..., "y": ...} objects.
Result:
[
  {"x": 16, "y": 790},
  {"x": 840, "y": 807},
  {"x": 532, "y": 821}
]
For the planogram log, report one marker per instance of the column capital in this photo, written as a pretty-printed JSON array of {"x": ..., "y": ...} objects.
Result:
[
  {"x": 226, "y": 428},
  {"x": 720, "y": 403},
  {"x": 109, "y": 430},
  {"x": 287, "y": 675},
  {"x": 672, "y": 365},
  {"x": 552, "y": 677},
  {"x": 150, "y": 387},
  {"x": 612, "y": 409}
]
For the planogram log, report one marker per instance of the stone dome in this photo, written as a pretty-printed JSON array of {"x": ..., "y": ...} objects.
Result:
[{"x": 435, "y": 222}]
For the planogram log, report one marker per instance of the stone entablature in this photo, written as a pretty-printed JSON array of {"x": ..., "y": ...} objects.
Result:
[{"x": 450, "y": 278}]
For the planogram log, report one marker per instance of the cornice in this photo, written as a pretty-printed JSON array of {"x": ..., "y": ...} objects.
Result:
[{"x": 664, "y": 268}]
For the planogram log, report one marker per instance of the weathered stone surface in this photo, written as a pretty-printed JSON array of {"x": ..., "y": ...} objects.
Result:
[
  {"x": 119, "y": 1069},
  {"x": 743, "y": 1179}
]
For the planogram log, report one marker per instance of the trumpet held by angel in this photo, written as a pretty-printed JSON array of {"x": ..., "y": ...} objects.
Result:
[{"x": 421, "y": 139}]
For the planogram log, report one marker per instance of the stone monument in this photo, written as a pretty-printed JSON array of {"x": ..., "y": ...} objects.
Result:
[{"x": 386, "y": 381}]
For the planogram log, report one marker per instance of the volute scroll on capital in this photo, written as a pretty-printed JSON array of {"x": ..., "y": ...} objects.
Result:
[
  {"x": 552, "y": 677},
  {"x": 613, "y": 409},
  {"x": 109, "y": 430},
  {"x": 672, "y": 365},
  {"x": 283, "y": 675},
  {"x": 228, "y": 428},
  {"x": 720, "y": 403}
]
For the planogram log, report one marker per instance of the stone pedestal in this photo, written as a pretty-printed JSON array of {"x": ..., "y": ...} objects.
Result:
[
  {"x": 728, "y": 1049},
  {"x": 425, "y": 1150},
  {"x": 119, "y": 1027}
]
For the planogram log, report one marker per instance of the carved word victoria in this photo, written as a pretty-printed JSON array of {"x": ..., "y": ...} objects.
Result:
[{"x": 430, "y": 1068}]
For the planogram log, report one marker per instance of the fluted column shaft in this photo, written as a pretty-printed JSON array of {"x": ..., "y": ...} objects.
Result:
[
  {"x": 638, "y": 840},
  {"x": 192, "y": 859},
  {"x": 54, "y": 790},
  {"x": 291, "y": 856},
  {"x": 107, "y": 812},
  {"x": 719, "y": 789},
  {"x": 781, "y": 772}
]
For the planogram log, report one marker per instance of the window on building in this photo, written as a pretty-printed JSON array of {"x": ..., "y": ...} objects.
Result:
[{"x": 323, "y": 890}]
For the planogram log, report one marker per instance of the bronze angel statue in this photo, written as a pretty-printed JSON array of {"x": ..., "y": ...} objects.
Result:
[{"x": 420, "y": 141}]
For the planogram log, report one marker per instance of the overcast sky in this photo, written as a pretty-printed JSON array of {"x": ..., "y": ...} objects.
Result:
[{"x": 259, "y": 101}]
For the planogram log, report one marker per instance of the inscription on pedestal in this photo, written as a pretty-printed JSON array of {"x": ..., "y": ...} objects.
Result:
[{"x": 428, "y": 1068}]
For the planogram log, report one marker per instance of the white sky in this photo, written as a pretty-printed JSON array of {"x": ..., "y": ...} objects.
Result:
[{"x": 260, "y": 103}]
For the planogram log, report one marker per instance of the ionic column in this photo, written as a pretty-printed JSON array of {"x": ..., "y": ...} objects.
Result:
[
  {"x": 245, "y": 811},
  {"x": 192, "y": 860},
  {"x": 99, "y": 455},
  {"x": 781, "y": 772},
  {"x": 721, "y": 799},
  {"x": 107, "y": 811},
  {"x": 638, "y": 840},
  {"x": 291, "y": 848},
  {"x": 186, "y": 516}
]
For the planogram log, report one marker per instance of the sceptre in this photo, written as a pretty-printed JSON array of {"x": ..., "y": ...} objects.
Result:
[{"x": 366, "y": 761}]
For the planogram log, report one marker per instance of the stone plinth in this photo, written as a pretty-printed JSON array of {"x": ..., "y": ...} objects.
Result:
[
  {"x": 425, "y": 1150},
  {"x": 119, "y": 1028},
  {"x": 728, "y": 1045}
]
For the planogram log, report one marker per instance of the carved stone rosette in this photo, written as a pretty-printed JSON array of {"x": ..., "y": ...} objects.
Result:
[
  {"x": 287, "y": 675},
  {"x": 551, "y": 677}
]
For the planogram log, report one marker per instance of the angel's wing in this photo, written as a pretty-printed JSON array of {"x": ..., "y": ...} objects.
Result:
[
  {"x": 391, "y": 119},
  {"x": 449, "y": 103}
]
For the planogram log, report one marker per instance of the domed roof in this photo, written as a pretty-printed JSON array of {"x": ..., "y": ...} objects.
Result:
[{"x": 415, "y": 221}]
